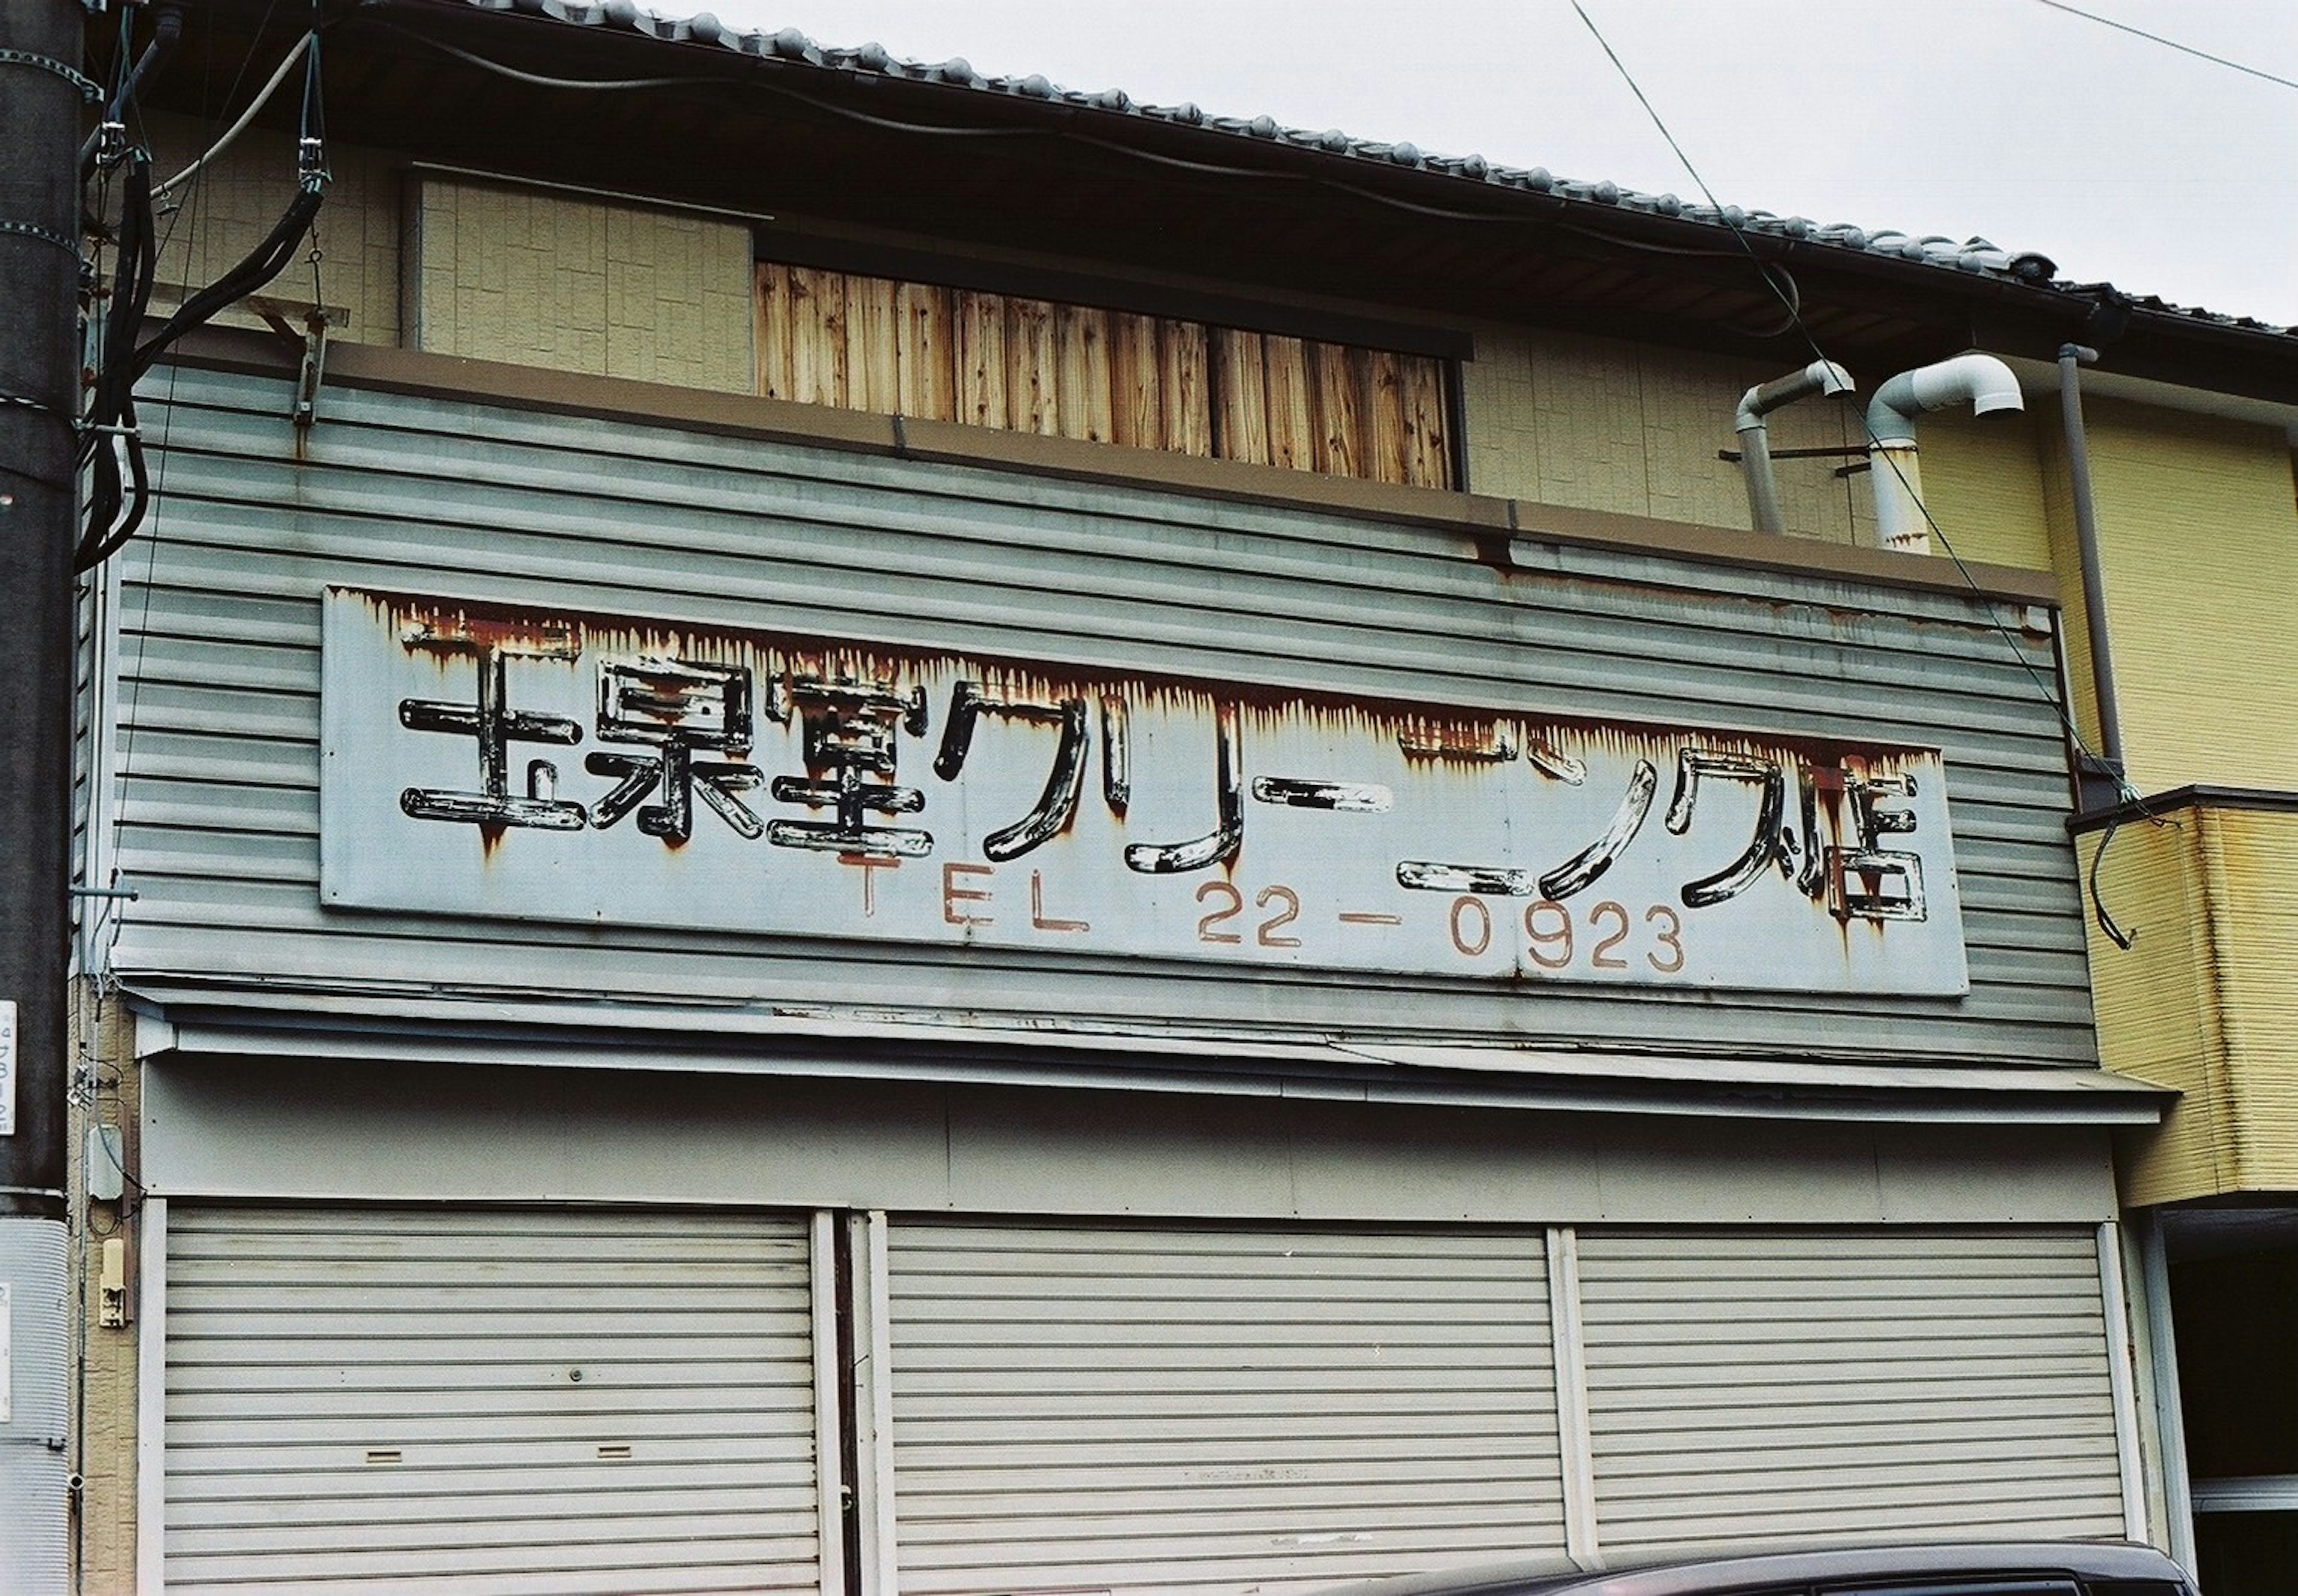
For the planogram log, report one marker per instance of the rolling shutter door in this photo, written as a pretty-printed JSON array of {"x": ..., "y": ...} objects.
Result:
[
  {"x": 1139, "y": 1409},
  {"x": 1763, "y": 1386},
  {"x": 486, "y": 1402}
]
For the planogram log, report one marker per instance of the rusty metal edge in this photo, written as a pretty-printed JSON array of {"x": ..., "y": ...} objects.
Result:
[
  {"x": 2198, "y": 796},
  {"x": 1489, "y": 524}
]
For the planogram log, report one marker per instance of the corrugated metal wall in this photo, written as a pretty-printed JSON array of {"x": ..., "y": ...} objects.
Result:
[
  {"x": 1167, "y": 1409},
  {"x": 489, "y": 1402},
  {"x": 1782, "y": 1386},
  {"x": 220, "y": 637}
]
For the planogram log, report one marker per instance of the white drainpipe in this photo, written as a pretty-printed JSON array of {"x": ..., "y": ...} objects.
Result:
[
  {"x": 1820, "y": 377},
  {"x": 1983, "y": 381}
]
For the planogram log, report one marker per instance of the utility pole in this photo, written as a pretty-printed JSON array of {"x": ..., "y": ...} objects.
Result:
[{"x": 41, "y": 91}]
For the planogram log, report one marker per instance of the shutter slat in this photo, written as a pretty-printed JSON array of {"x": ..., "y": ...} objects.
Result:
[
  {"x": 1764, "y": 1386},
  {"x": 1170, "y": 1409},
  {"x": 488, "y": 1402}
]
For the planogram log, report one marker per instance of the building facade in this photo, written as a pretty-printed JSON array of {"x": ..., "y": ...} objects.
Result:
[{"x": 1013, "y": 844}]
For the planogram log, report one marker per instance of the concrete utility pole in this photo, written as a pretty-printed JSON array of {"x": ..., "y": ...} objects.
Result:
[{"x": 40, "y": 101}]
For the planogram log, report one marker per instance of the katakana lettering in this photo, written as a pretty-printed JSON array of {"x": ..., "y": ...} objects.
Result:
[
  {"x": 1219, "y": 844},
  {"x": 968, "y": 703},
  {"x": 1583, "y": 869},
  {"x": 1765, "y": 848},
  {"x": 1485, "y": 880}
]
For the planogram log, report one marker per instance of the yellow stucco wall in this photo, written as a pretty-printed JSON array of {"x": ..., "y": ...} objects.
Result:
[
  {"x": 543, "y": 278},
  {"x": 487, "y": 271},
  {"x": 1602, "y": 424},
  {"x": 2204, "y": 1001},
  {"x": 2256, "y": 860},
  {"x": 1983, "y": 485},
  {"x": 2198, "y": 537},
  {"x": 224, "y": 212}
]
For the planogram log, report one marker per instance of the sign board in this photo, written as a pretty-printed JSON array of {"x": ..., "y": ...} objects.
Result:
[{"x": 480, "y": 761}]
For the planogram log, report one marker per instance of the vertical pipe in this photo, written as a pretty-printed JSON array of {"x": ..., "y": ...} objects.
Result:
[
  {"x": 2170, "y": 1417},
  {"x": 152, "y": 1396},
  {"x": 1764, "y": 510},
  {"x": 1820, "y": 377},
  {"x": 2121, "y": 1381},
  {"x": 1582, "y": 1542},
  {"x": 829, "y": 1421},
  {"x": 873, "y": 1392},
  {"x": 1897, "y": 473},
  {"x": 2072, "y": 357}
]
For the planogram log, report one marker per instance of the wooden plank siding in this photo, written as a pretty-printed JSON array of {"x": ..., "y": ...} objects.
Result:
[{"x": 1106, "y": 376}]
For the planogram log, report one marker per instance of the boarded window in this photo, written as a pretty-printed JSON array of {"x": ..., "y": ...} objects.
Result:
[{"x": 1075, "y": 371}]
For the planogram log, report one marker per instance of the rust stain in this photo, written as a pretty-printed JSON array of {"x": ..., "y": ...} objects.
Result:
[{"x": 1427, "y": 734}]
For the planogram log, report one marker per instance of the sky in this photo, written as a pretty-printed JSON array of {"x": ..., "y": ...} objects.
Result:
[{"x": 2123, "y": 160}]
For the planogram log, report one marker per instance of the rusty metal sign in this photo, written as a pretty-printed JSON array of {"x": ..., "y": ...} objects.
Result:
[{"x": 576, "y": 767}]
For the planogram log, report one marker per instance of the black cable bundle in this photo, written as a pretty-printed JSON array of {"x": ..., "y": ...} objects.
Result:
[
  {"x": 121, "y": 361},
  {"x": 266, "y": 262},
  {"x": 112, "y": 435}
]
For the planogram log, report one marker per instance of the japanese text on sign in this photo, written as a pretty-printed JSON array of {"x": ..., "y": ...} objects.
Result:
[{"x": 555, "y": 768}]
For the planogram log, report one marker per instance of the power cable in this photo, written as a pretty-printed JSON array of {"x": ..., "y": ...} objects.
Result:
[
  {"x": 116, "y": 507},
  {"x": 2167, "y": 44},
  {"x": 262, "y": 98},
  {"x": 2129, "y": 795}
]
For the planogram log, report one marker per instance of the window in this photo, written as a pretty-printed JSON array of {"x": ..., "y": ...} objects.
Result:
[{"x": 1078, "y": 371}]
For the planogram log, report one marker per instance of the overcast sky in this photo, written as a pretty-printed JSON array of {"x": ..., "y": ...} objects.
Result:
[{"x": 2123, "y": 160}]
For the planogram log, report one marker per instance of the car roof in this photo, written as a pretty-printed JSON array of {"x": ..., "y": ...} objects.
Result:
[{"x": 1690, "y": 1572}]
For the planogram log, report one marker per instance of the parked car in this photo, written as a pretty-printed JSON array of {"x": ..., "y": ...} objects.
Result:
[{"x": 1953, "y": 1569}]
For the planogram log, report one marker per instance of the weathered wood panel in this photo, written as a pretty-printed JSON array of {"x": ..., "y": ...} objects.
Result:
[{"x": 1241, "y": 381}]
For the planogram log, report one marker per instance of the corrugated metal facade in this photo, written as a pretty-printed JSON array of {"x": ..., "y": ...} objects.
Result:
[
  {"x": 491, "y": 1402},
  {"x": 1768, "y": 1385},
  {"x": 1167, "y": 1409},
  {"x": 219, "y": 740}
]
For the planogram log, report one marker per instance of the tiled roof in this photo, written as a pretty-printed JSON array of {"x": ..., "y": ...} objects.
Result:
[{"x": 1975, "y": 255}]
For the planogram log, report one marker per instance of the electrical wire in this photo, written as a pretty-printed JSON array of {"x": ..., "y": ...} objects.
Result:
[
  {"x": 2127, "y": 794},
  {"x": 944, "y": 130},
  {"x": 262, "y": 98},
  {"x": 117, "y": 506},
  {"x": 2167, "y": 44}
]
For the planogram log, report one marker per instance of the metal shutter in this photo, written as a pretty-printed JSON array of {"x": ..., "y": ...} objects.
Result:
[
  {"x": 1763, "y": 1386},
  {"x": 487, "y": 1402},
  {"x": 1141, "y": 1409}
]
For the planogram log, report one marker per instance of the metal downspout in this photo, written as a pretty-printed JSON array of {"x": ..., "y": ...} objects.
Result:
[
  {"x": 1980, "y": 381},
  {"x": 1820, "y": 377},
  {"x": 2072, "y": 359}
]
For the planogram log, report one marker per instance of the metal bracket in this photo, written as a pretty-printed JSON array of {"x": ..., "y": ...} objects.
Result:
[
  {"x": 313, "y": 341},
  {"x": 89, "y": 89}
]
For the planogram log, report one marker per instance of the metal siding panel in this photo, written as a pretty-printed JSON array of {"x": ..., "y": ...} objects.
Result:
[
  {"x": 221, "y": 682},
  {"x": 1771, "y": 1385},
  {"x": 435, "y": 1398},
  {"x": 1200, "y": 1410}
]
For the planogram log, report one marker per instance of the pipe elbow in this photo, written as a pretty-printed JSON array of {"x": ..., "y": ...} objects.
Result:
[
  {"x": 1982, "y": 381},
  {"x": 1820, "y": 377}
]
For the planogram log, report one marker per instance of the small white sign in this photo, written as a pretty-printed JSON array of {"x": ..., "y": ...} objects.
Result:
[
  {"x": 8, "y": 1068},
  {"x": 8, "y": 1362}
]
